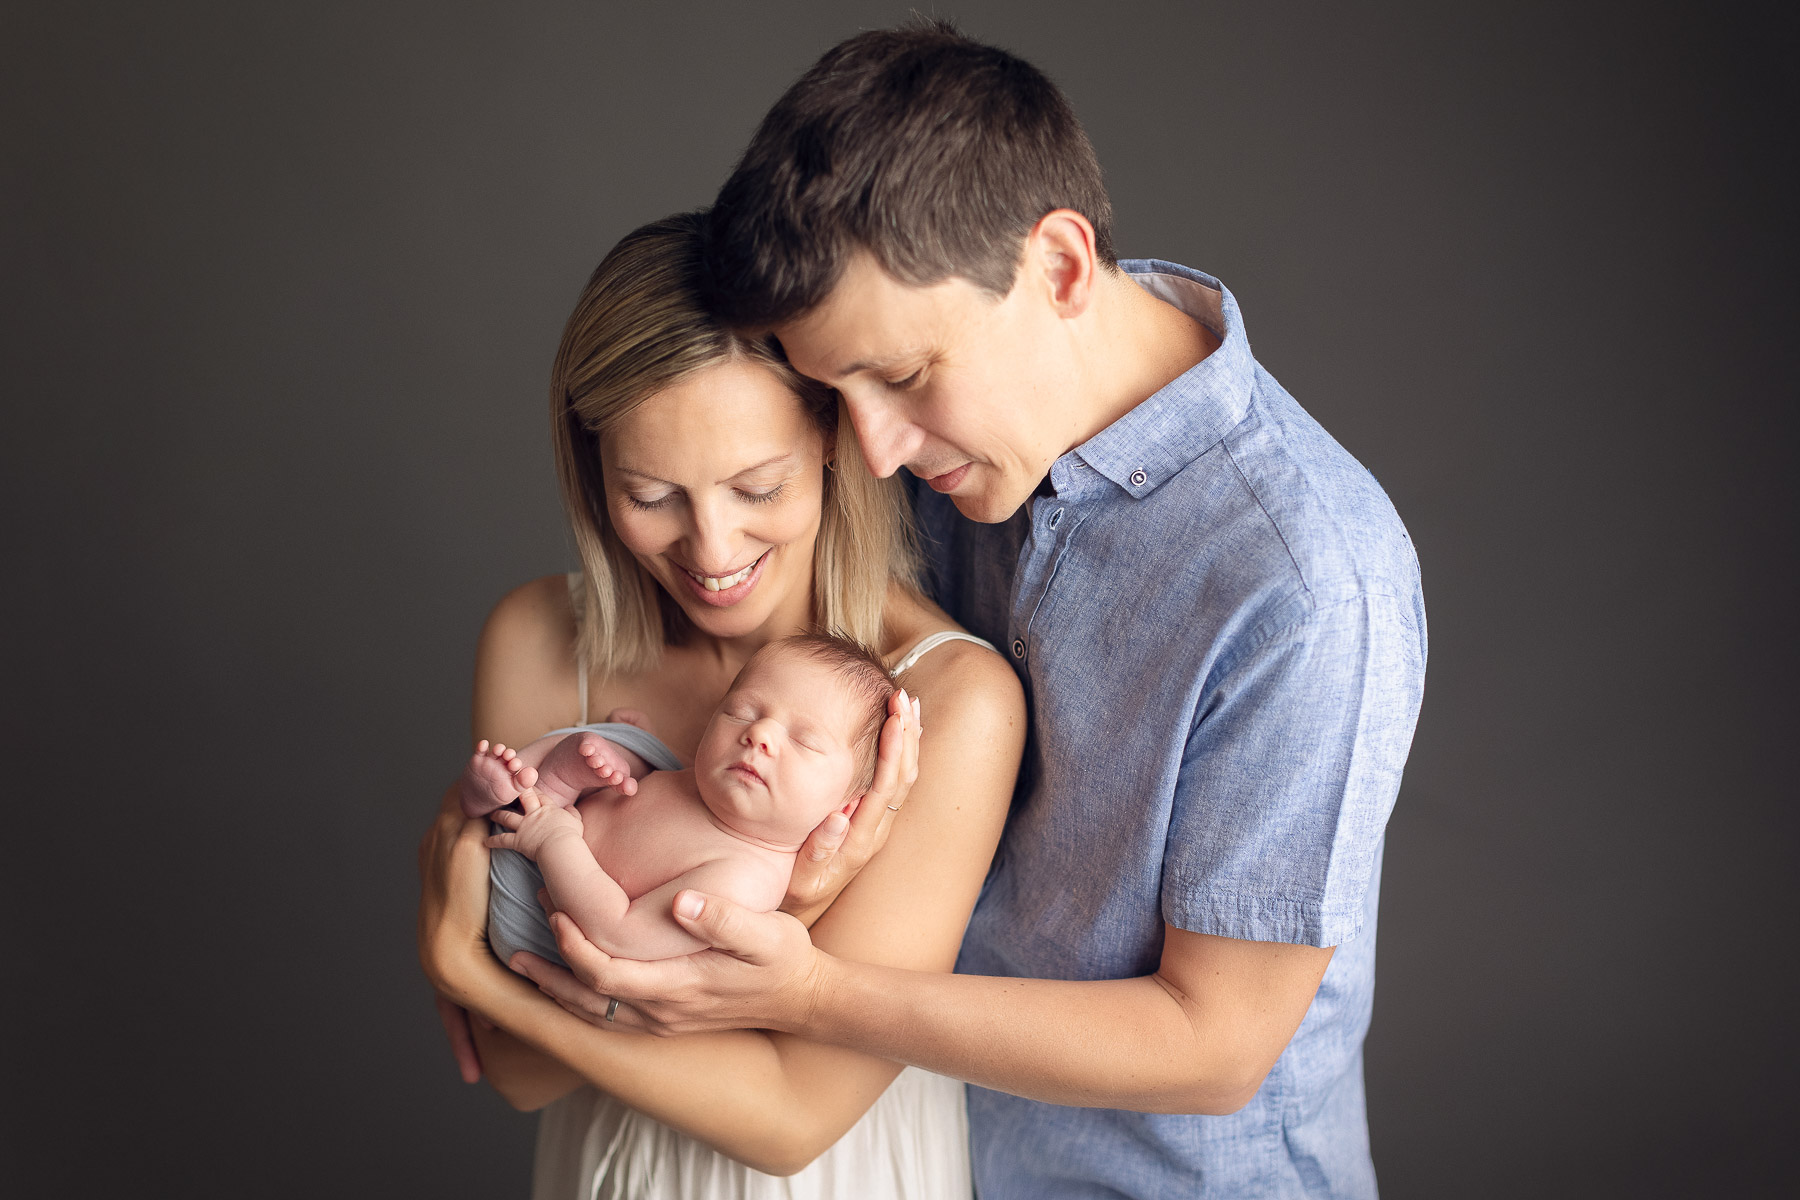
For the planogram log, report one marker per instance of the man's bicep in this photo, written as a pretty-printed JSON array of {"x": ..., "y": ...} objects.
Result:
[{"x": 1244, "y": 999}]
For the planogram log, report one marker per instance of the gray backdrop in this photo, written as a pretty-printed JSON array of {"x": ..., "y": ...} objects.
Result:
[{"x": 281, "y": 288}]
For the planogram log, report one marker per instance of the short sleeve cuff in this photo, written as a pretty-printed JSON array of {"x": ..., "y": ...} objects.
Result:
[{"x": 1263, "y": 919}]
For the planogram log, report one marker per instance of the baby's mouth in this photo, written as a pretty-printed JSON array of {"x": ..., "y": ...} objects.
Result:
[
  {"x": 720, "y": 583},
  {"x": 748, "y": 770}
]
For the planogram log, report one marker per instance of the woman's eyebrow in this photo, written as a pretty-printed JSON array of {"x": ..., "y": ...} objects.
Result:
[{"x": 778, "y": 461}]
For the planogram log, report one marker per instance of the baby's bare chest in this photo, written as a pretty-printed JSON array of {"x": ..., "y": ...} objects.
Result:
[{"x": 643, "y": 841}]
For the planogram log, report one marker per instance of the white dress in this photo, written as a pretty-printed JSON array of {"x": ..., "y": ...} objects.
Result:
[{"x": 912, "y": 1144}]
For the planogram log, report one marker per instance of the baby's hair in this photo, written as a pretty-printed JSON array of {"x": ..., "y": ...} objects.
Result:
[{"x": 868, "y": 680}]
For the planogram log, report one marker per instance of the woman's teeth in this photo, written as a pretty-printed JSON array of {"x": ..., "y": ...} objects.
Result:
[{"x": 718, "y": 583}]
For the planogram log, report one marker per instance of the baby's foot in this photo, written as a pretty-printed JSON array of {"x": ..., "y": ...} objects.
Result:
[
  {"x": 607, "y": 762},
  {"x": 493, "y": 779}
]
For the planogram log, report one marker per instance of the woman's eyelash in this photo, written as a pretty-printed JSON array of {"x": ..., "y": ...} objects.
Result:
[
  {"x": 646, "y": 504},
  {"x": 901, "y": 385},
  {"x": 762, "y": 497}
]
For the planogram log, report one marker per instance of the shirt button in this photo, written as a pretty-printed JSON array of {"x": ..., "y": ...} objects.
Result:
[
  {"x": 1056, "y": 518},
  {"x": 1138, "y": 478},
  {"x": 1018, "y": 648}
]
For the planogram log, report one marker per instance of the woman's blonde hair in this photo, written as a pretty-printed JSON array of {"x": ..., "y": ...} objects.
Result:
[{"x": 640, "y": 327}]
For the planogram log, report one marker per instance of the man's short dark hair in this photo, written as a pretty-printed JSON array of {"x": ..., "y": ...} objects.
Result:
[{"x": 935, "y": 153}]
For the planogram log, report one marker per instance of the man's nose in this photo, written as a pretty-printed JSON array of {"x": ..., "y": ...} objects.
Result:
[{"x": 886, "y": 437}]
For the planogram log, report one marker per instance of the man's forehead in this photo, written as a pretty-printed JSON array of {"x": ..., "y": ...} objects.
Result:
[{"x": 869, "y": 321}]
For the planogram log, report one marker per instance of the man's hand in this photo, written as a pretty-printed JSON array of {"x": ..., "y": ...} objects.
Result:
[
  {"x": 844, "y": 842},
  {"x": 763, "y": 973}
]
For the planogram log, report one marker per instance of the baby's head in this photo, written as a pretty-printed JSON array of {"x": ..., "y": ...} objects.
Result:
[{"x": 794, "y": 738}]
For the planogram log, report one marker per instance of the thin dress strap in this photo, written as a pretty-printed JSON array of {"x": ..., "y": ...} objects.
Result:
[
  {"x": 577, "y": 596},
  {"x": 931, "y": 642}
]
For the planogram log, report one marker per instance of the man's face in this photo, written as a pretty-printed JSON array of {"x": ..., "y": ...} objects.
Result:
[{"x": 945, "y": 380}]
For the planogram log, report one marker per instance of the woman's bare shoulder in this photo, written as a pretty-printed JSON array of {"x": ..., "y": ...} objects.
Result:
[
  {"x": 525, "y": 663},
  {"x": 959, "y": 680}
]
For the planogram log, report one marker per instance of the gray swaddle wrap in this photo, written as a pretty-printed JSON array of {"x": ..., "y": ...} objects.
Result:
[{"x": 515, "y": 920}]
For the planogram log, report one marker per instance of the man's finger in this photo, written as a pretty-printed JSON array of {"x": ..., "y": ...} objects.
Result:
[
  {"x": 725, "y": 926},
  {"x": 587, "y": 961}
]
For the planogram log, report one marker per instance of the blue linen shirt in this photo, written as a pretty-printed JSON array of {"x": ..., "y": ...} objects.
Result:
[{"x": 1217, "y": 617}]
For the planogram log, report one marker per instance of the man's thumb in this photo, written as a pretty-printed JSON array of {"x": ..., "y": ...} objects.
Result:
[{"x": 708, "y": 918}]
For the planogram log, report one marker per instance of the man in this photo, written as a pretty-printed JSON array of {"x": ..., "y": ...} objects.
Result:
[{"x": 1214, "y": 609}]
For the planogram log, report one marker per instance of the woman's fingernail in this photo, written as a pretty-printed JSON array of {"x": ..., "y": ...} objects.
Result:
[{"x": 688, "y": 905}]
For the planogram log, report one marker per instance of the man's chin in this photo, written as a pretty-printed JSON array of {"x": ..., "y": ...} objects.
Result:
[{"x": 986, "y": 507}]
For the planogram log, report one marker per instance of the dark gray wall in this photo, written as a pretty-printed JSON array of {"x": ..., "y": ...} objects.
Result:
[{"x": 281, "y": 287}]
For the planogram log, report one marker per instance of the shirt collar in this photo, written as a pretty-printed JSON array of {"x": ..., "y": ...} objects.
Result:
[{"x": 1191, "y": 413}]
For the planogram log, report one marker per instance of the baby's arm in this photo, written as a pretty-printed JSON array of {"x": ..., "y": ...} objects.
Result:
[{"x": 642, "y": 928}]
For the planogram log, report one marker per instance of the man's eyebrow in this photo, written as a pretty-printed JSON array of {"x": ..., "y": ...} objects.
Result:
[{"x": 877, "y": 364}]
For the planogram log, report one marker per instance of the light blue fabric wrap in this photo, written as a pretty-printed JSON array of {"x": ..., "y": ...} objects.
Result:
[
  {"x": 515, "y": 920},
  {"x": 1217, "y": 617}
]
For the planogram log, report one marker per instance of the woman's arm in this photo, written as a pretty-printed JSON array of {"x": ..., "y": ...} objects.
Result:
[{"x": 775, "y": 1101}]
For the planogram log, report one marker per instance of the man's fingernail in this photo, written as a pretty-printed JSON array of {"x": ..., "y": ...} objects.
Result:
[{"x": 688, "y": 905}]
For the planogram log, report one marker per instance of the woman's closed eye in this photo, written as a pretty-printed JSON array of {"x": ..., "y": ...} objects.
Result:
[
  {"x": 649, "y": 503},
  {"x": 761, "y": 497},
  {"x": 903, "y": 385}
]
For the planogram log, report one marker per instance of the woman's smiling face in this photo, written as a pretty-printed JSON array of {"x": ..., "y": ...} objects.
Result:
[{"x": 715, "y": 485}]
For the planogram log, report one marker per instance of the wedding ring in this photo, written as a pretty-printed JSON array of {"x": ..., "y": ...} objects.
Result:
[
  {"x": 612, "y": 1008},
  {"x": 893, "y": 808}
]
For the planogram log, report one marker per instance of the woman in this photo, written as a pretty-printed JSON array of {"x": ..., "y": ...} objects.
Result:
[{"x": 718, "y": 504}]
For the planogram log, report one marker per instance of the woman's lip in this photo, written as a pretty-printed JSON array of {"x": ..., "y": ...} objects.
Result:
[
  {"x": 949, "y": 479},
  {"x": 727, "y": 597}
]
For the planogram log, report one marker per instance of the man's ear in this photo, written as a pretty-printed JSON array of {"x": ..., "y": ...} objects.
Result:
[{"x": 1059, "y": 251}]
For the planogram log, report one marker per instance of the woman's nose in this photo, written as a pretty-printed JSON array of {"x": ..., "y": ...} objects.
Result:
[{"x": 715, "y": 539}]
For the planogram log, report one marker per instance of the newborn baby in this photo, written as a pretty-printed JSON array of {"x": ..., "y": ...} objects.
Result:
[{"x": 794, "y": 739}]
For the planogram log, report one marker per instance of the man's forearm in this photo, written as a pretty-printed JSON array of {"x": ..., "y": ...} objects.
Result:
[{"x": 1128, "y": 1043}]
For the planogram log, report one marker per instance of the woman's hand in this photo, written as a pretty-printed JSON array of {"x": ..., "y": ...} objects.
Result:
[
  {"x": 844, "y": 842},
  {"x": 763, "y": 973},
  {"x": 453, "y": 898}
]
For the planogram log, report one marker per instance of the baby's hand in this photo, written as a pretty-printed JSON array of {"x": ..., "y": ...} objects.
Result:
[{"x": 541, "y": 824}]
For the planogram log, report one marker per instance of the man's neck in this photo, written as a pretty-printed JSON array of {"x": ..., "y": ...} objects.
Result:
[{"x": 1140, "y": 345}]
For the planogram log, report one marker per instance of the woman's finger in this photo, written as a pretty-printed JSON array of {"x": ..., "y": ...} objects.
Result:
[{"x": 462, "y": 1041}]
